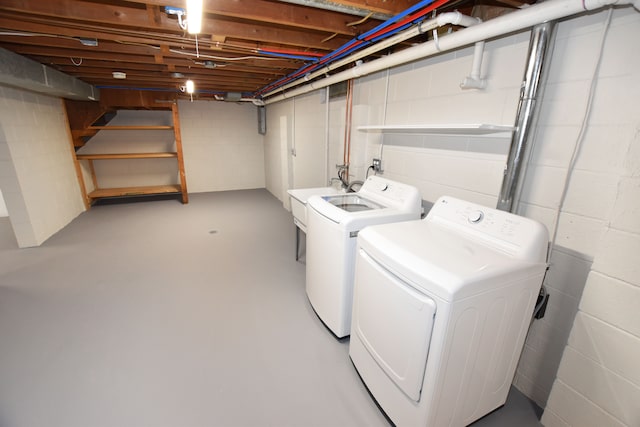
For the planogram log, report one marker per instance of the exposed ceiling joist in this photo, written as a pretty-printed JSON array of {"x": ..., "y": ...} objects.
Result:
[{"x": 244, "y": 45}]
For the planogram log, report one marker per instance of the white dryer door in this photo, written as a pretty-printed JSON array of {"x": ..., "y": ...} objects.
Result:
[{"x": 394, "y": 322}]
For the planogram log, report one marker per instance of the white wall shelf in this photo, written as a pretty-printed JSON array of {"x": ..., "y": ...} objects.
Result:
[{"x": 479, "y": 129}]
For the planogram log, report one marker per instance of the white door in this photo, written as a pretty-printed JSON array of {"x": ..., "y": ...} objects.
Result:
[
  {"x": 309, "y": 142},
  {"x": 394, "y": 322}
]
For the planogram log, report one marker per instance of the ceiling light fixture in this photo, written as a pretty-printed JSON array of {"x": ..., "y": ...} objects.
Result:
[
  {"x": 119, "y": 75},
  {"x": 192, "y": 21},
  {"x": 190, "y": 87},
  {"x": 194, "y": 14}
]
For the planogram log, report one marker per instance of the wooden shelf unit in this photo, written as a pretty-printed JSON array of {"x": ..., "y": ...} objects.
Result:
[{"x": 180, "y": 188}]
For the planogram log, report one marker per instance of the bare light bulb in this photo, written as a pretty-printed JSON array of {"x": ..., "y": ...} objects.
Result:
[
  {"x": 191, "y": 87},
  {"x": 194, "y": 16}
]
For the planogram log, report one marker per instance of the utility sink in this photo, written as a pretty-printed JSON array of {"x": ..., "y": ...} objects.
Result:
[{"x": 299, "y": 199}]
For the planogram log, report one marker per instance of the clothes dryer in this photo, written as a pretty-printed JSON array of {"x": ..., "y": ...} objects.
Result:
[{"x": 441, "y": 309}]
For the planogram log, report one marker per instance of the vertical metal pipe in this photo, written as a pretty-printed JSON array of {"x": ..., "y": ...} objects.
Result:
[{"x": 540, "y": 50}]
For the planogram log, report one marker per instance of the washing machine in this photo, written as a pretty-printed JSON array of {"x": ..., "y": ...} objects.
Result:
[
  {"x": 333, "y": 224},
  {"x": 441, "y": 309}
]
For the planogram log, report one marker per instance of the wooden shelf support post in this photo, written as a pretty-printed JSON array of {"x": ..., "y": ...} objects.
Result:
[{"x": 176, "y": 130}]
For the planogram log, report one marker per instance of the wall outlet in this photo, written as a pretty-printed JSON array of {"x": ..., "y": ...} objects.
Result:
[{"x": 377, "y": 165}]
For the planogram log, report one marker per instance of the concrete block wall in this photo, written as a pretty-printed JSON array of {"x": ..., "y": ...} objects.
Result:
[
  {"x": 221, "y": 145},
  {"x": 598, "y": 380},
  {"x": 428, "y": 92},
  {"x": 37, "y": 175}
]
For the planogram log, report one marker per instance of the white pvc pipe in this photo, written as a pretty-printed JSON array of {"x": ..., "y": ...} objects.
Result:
[
  {"x": 500, "y": 26},
  {"x": 474, "y": 81},
  {"x": 455, "y": 18}
]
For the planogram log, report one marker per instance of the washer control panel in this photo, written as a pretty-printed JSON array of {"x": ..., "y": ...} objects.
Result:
[
  {"x": 475, "y": 216},
  {"x": 390, "y": 193}
]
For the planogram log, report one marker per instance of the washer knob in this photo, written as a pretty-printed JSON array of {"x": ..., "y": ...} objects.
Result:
[
  {"x": 384, "y": 186},
  {"x": 475, "y": 217}
]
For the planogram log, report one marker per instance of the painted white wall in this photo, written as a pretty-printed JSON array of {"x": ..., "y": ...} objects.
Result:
[
  {"x": 427, "y": 92},
  {"x": 598, "y": 381},
  {"x": 221, "y": 145},
  {"x": 37, "y": 174}
]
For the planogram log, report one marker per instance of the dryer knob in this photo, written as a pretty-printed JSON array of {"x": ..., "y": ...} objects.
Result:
[
  {"x": 384, "y": 187},
  {"x": 475, "y": 217}
]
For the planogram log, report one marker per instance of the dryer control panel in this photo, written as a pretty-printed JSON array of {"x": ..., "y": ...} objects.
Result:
[{"x": 519, "y": 236}]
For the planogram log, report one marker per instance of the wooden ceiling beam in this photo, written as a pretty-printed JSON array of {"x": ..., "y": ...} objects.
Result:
[
  {"x": 284, "y": 14},
  {"x": 219, "y": 87},
  {"x": 118, "y": 40},
  {"x": 381, "y": 6},
  {"x": 138, "y": 20},
  {"x": 69, "y": 47},
  {"x": 124, "y": 56},
  {"x": 68, "y": 43},
  {"x": 17, "y": 22},
  {"x": 76, "y": 53},
  {"x": 76, "y": 49},
  {"x": 132, "y": 75},
  {"x": 103, "y": 13},
  {"x": 186, "y": 66},
  {"x": 139, "y": 38}
]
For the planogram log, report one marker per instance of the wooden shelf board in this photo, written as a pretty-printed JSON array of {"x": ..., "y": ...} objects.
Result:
[
  {"x": 134, "y": 191},
  {"x": 443, "y": 129},
  {"x": 130, "y": 127},
  {"x": 105, "y": 156}
]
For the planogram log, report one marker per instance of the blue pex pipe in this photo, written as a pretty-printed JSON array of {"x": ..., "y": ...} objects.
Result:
[
  {"x": 288, "y": 55},
  {"x": 359, "y": 43}
]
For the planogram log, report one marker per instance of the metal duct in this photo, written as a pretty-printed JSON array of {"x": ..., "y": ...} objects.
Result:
[
  {"x": 20, "y": 72},
  {"x": 540, "y": 50},
  {"x": 340, "y": 7}
]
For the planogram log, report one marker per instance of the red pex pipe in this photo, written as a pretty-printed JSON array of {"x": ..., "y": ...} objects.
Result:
[
  {"x": 292, "y": 52},
  {"x": 358, "y": 42},
  {"x": 408, "y": 19}
]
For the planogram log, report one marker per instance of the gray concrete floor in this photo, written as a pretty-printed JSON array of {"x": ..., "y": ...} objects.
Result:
[{"x": 162, "y": 314}]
